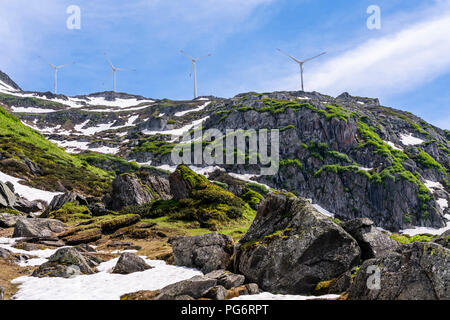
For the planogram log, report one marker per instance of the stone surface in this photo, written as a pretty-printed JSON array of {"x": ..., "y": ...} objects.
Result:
[
  {"x": 226, "y": 278},
  {"x": 127, "y": 190},
  {"x": 206, "y": 252},
  {"x": 7, "y": 197},
  {"x": 444, "y": 239},
  {"x": 65, "y": 263},
  {"x": 37, "y": 227},
  {"x": 373, "y": 242},
  {"x": 251, "y": 288},
  {"x": 195, "y": 287},
  {"x": 129, "y": 263},
  {"x": 8, "y": 220},
  {"x": 415, "y": 271},
  {"x": 60, "y": 200},
  {"x": 290, "y": 247},
  {"x": 216, "y": 293}
]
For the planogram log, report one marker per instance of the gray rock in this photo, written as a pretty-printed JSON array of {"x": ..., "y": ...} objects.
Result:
[
  {"x": 373, "y": 242},
  {"x": 443, "y": 239},
  {"x": 226, "y": 278},
  {"x": 290, "y": 247},
  {"x": 23, "y": 205},
  {"x": 65, "y": 263},
  {"x": 129, "y": 263},
  {"x": 216, "y": 293},
  {"x": 8, "y": 220},
  {"x": 415, "y": 271},
  {"x": 207, "y": 252},
  {"x": 195, "y": 287},
  {"x": 127, "y": 190},
  {"x": 2, "y": 293},
  {"x": 7, "y": 197},
  {"x": 5, "y": 253},
  {"x": 37, "y": 227},
  {"x": 60, "y": 200}
]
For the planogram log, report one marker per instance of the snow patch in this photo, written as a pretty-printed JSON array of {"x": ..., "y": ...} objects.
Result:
[
  {"x": 409, "y": 140},
  {"x": 270, "y": 296},
  {"x": 182, "y": 113},
  {"x": 443, "y": 203},
  {"x": 422, "y": 230},
  {"x": 26, "y": 192},
  {"x": 393, "y": 145},
  {"x": 320, "y": 209},
  {"x": 32, "y": 110}
]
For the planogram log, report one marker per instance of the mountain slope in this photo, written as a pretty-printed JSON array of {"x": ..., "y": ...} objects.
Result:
[
  {"x": 349, "y": 155},
  {"x": 25, "y": 153}
]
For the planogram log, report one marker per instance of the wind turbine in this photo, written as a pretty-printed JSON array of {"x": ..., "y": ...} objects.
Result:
[
  {"x": 301, "y": 63},
  {"x": 194, "y": 69},
  {"x": 113, "y": 71},
  {"x": 56, "y": 68}
]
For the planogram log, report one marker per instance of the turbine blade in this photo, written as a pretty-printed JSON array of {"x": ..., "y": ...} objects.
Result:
[
  {"x": 125, "y": 69},
  {"x": 209, "y": 55},
  {"x": 109, "y": 61},
  {"x": 188, "y": 56},
  {"x": 286, "y": 54},
  {"x": 309, "y": 59}
]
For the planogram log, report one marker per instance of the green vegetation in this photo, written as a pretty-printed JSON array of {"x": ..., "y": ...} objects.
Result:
[
  {"x": 407, "y": 239},
  {"x": 11, "y": 100},
  {"x": 19, "y": 143},
  {"x": 115, "y": 163},
  {"x": 428, "y": 161},
  {"x": 208, "y": 204},
  {"x": 71, "y": 213},
  {"x": 291, "y": 162},
  {"x": 153, "y": 145}
]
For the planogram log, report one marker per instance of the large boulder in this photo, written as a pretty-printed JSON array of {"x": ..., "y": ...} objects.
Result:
[
  {"x": 226, "y": 279},
  {"x": 8, "y": 220},
  {"x": 183, "y": 180},
  {"x": 65, "y": 263},
  {"x": 373, "y": 242},
  {"x": 444, "y": 239},
  {"x": 195, "y": 287},
  {"x": 290, "y": 247},
  {"x": 60, "y": 200},
  {"x": 207, "y": 252},
  {"x": 37, "y": 228},
  {"x": 7, "y": 197},
  {"x": 415, "y": 271},
  {"x": 127, "y": 190},
  {"x": 129, "y": 263},
  {"x": 23, "y": 205}
]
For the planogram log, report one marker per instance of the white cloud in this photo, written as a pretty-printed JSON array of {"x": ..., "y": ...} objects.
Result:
[{"x": 392, "y": 64}]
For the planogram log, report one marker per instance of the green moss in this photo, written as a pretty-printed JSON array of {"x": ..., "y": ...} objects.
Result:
[
  {"x": 154, "y": 146},
  {"x": 71, "y": 213},
  {"x": 291, "y": 162},
  {"x": 20, "y": 142},
  {"x": 428, "y": 161},
  {"x": 117, "y": 164},
  {"x": 407, "y": 239}
]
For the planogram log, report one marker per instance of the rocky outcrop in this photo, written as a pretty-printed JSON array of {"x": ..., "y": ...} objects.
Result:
[
  {"x": 127, "y": 190},
  {"x": 226, "y": 279},
  {"x": 373, "y": 242},
  {"x": 60, "y": 200},
  {"x": 444, "y": 239},
  {"x": 37, "y": 227},
  {"x": 8, "y": 220},
  {"x": 290, "y": 247},
  {"x": 183, "y": 181},
  {"x": 65, "y": 263},
  {"x": 195, "y": 287},
  {"x": 23, "y": 205},
  {"x": 7, "y": 197},
  {"x": 207, "y": 252},
  {"x": 415, "y": 271},
  {"x": 129, "y": 263}
]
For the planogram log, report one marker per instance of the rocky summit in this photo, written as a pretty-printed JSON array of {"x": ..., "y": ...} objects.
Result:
[{"x": 356, "y": 207}]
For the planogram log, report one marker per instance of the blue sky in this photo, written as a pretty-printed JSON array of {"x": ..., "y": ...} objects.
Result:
[{"x": 406, "y": 63}]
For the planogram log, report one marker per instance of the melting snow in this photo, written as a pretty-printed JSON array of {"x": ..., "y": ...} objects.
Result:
[
  {"x": 247, "y": 177},
  {"x": 102, "y": 285},
  {"x": 118, "y": 102},
  {"x": 443, "y": 203},
  {"x": 182, "y": 113},
  {"x": 393, "y": 145},
  {"x": 32, "y": 110},
  {"x": 320, "y": 209},
  {"x": 177, "y": 132},
  {"x": 422, "y": 230},
  {"x": 26, "y": 192},
  {"x": 270, "y": 296},
  {"x": 433, "y": 185},
  {"x": 408, "y": 140}
]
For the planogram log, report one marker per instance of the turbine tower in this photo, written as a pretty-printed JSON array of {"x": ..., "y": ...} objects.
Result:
[
  {"x": 56, "y": 68},
  {"x": 113, "y": 72},
  {"x": 194, "y": 69},
  {"x": 301, "y": 63}
]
